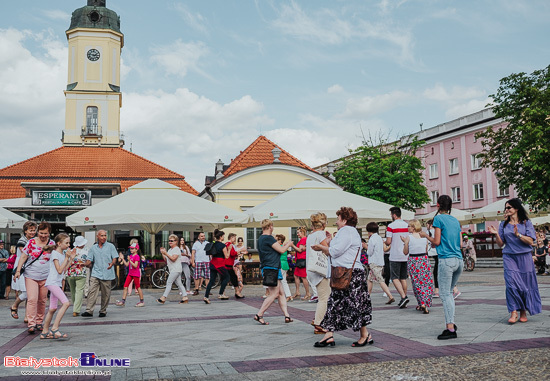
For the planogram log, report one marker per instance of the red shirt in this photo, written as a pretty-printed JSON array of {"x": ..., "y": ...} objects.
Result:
[
  {"x": 218, "y": 260},
  {"x": 232, "y": 255}
]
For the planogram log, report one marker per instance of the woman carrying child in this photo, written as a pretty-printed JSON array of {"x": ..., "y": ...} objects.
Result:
[
  {"x": 134, "y": 275},
  {"x": 59, "y": 263}
]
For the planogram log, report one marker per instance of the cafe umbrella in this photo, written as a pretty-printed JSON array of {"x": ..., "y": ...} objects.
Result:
[
  {"x": 154, "y": 205},
  {"x": 10, "y": 221}
]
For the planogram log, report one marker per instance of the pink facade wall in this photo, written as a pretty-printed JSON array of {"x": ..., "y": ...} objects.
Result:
[{"x": 460, "y": 146}]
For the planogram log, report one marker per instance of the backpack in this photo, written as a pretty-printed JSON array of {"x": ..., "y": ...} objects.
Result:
[{"x": 210, "y": 249}]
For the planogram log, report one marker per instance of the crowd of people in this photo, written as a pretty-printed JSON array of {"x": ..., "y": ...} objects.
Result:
[{"x": 330, "y": 267}]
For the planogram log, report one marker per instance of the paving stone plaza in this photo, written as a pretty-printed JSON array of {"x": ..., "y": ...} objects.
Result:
[{"x": 221, "y": 341}]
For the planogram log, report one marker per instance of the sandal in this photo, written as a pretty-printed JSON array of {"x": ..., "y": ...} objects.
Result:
[
  {"x": 14, "y": 313},
  {"x": 45, "y": 336},
  {"x": 318, "y": 330},
  {"x": 183, "y": 301},
  {"x": 206, "y": 300},
  {"x": 62, "y": 336},
  {"x": 288, "y": 319},
  {"x": 32, "y": 330},
  {"x": 368, "y": 341},
  {"x": 260, "y": 319},
  {"x": 160, "y": 301},
  {"x": 425, "y": 310},
  {"x": 223, "y": 297},
  {"x": 418, "y": 308},
  {"x": 39, "y": 327},
  {"x": 307, "y": 297}
]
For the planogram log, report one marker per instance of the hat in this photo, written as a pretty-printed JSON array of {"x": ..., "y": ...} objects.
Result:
[
  {"x": 80, "y": 241},
  {"x": 134, "y": 246},
  {"x": 1, "y": 241}
]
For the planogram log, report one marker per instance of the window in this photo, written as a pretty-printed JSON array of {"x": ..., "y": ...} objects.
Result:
[
  {"x": 294, "y": 235},
  {"x": 432, "y": 150},
  {"x": 453, "y": 166},
  {"x": 476, "y": 162},
  {"x": 503, "y": 191},
  {"x": 455, "y": 194},
  {"x": 252, "y": 235},
  {"x": 433, "y": 171},
  {"x": 434, "y": 195},
  {"x": 91, "y": 120},
  {"x": 478, "y": 191}
]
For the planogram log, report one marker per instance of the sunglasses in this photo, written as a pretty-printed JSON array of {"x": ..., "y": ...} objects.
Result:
[
  {"x": 172, "y": 240},
  {"x": 508, "y": 208}
]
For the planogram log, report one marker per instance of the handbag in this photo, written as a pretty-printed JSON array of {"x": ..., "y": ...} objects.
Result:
[
  {"x": 340, "y": 277},
  {"x": 319, "y": 263},
  {"x": 270, "y": 277},
  {"x": 301, "y": 263},
  {"x": 25, "y": 265}
]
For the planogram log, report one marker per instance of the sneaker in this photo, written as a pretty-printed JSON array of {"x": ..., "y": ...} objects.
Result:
[
  {"x": 140, "y": 304},
  {"x": 403, "y": 302},
  {"x": 385, "y": 296},
  {"x": 314, "y": 299},
  {"x": 86, "y": 314},
  {"x": 447, "y": 335},
  {"x": 190, "y": 293},
  {"x": 457, "y": 294},
  {"x": 120, "y": 303},
  {"x": 436, "y": 295},
  {"x": 102, "y": 314}
]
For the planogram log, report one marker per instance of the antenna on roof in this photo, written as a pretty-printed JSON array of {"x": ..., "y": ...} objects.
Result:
[
  {"x": 421, "y": 124},
  {"x": 130, "y": 147}
]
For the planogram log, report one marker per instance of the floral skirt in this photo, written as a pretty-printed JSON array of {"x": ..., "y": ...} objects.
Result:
[
  {"x": 349, "y": 308},
  {"x": 421, "y": 279}
]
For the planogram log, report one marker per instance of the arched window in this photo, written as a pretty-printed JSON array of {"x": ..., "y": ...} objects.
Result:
[{"x": 91, "y": 120}]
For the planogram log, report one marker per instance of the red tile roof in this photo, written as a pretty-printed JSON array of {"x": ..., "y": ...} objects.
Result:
[
  {"x": 86, "y": 165},
  {"x": 259, "y": 153}
]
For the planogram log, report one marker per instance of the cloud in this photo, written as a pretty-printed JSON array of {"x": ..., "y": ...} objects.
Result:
[
  {"x": 180, "y": 57},
  {"x": 56, "y": 14},
  {"x": 193, "y": 20},
  {"x": 440, "y": 93},
  {"x": 365, "y": 107},
  {"x": 335, "y": 89},
  {"x": 328, "y": 27},
  {"x": 469, "y": 107}
]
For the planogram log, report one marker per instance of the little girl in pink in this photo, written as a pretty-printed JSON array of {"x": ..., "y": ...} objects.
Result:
[{"x": 59, "y": 263}]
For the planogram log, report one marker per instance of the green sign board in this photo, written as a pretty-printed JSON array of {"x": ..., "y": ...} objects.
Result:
[{"x": 62, "y": 198}]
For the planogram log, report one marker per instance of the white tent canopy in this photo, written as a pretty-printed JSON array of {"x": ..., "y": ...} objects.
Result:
[
  {"x": 495, "y": 211},
  {"x": 459, "y": 214},
  {"x": 298, "y": 203},
  {"x": 154, "y": 205},
  {"x": 11, "y": 221}
]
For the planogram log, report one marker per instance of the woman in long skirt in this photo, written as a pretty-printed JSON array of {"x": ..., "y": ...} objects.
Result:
[
  {"x": 418, "y": 266},
  {"x": 350, "y": 308},
  {"x": 518, "y": 233}
]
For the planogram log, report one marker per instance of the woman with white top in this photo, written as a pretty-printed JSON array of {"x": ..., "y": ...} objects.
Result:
[
  {"x": 321, "y": 281},
  {"x": 173, "y": 261},
  {"x": 418, "y": 266},
  {"x": 185, "y": 263},
  {"x": 59, "y": 263},
  {"x": 349, "y": 308},
  {"x": 29, "y": 231},
  {"x": 375, "y": 252}
]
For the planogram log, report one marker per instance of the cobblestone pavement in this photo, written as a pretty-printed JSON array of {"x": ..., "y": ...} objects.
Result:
[{"x": 220, "y": 341}]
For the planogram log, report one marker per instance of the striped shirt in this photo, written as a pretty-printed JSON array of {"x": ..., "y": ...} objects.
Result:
[{"x": 395, "y": 231}]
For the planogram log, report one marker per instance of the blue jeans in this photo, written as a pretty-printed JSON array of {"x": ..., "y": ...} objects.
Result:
[{"x": 448, "y": 273}]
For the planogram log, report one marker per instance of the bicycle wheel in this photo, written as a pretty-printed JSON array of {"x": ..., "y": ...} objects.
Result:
[
  {"x": 114, "y": 283},
  {"x": 471, "y": 264},
  {"x": 159, "y": 278}
]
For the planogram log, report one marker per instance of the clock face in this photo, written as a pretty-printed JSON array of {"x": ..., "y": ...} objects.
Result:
[{"x": 93, "y": 54}]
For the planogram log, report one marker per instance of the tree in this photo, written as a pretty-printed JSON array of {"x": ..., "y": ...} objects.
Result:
[
  {"x": 518, "y": 151},
  {"x": 385, "y": 172}
]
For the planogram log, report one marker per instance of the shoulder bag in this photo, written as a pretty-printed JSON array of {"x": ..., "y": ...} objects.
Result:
[
  {"x": 340, "y": 277},
  {"x": 28, "y": 265}
]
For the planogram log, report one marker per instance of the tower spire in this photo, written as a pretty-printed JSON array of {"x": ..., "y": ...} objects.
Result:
[{"x": 97, "y": 3}]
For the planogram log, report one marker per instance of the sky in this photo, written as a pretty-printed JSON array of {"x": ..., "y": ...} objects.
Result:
[{"x": 201, "y": 80}]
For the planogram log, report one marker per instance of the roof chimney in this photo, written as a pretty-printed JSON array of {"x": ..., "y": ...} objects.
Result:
[
  {"x": 331, "y": 167},
  {"x": 276, "y": 154},
  {"x": 219, "y": 169}
]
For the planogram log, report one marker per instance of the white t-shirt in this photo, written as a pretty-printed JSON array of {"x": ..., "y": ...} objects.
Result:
[
  {"x": 375, "y": 250},
  {"x": 200, "y": 254},
  {"x": 417, "y": 245},
  {"x": 175, "y": 266},
  {"x": 432, "y": 252},
  {"x": 396, "y": 230},
  {"x": 54, "y": 277}
]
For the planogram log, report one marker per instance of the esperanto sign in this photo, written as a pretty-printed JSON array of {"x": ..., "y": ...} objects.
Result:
[{"x": 62, "y": 198}]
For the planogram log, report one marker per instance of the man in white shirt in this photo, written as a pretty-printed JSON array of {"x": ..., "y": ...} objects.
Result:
[
  {"x": 375, "y": 252},
  {"x": 201, "y": 262},
  {"x": 398, "y": 261}
]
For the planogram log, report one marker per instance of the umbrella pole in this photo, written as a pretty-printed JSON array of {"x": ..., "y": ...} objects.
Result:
[{"x": 153, "y": 236}]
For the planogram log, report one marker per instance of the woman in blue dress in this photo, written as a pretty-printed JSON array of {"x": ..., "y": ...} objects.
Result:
[{"x": 516, "y": 235}]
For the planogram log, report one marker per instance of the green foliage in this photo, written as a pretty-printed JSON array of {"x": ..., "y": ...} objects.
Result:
[
  {"x": 385, "y": 172},
  {"x": 518, "y": 150}
]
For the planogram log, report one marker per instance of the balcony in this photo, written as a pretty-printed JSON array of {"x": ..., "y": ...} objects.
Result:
[{"x": 91, "y": 132}]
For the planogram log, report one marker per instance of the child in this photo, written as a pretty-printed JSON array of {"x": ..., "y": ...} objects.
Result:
[
  {"x": 59, "y": 263},
  {"x": 9, "y": 272},
  {"x": 134, "y": 275}
]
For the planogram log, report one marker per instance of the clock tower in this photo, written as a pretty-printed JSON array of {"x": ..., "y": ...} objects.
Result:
[{"x": 93, "y": 98}]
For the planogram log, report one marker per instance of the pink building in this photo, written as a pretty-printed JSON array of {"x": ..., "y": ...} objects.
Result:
[{"x": 452, "y": 165}]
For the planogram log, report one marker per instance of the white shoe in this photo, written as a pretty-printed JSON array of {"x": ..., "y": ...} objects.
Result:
[
  {"x": 385, "y": 296},
  {"x": 189, "y": 292}
]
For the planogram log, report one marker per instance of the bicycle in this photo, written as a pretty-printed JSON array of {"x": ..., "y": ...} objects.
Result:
[
  {"x": 160, "y": 277},
  {"x": 469, "y": 263}
]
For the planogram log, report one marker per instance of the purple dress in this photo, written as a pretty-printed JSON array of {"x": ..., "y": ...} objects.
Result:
[{"x": 522, "y": 290}]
